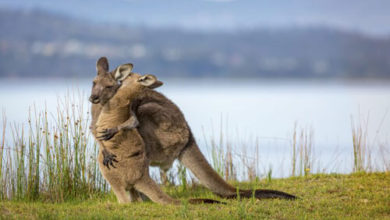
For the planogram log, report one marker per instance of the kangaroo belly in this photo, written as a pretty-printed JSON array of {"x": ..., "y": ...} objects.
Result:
[
  {"x": 126, "y": 172},
  {"x": 132, "y": 161}
]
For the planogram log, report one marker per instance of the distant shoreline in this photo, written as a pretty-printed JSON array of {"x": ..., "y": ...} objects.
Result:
[{"x": 227, "y": 80}]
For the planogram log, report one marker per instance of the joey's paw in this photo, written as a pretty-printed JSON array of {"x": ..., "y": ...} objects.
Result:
[
  {"x": 109, "y": 159},
  {"x": 107, "y": 134}
]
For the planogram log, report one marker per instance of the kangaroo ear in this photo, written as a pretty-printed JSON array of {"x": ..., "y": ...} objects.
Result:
[
  {"x": 102, "y": 65},
  {"x": 150, "y": 81},
  {"x": 123, "y": 71}
]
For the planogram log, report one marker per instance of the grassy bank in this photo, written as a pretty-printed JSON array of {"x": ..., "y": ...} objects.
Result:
[
  {"x": 355, "y": 196},
  {"x": 52, "y": 156},
  {"x": 48, "y": 170}
]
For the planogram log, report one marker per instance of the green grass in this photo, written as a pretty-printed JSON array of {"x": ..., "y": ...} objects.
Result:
[
  {"x": 51, "y": 157},
  {"x": 48, "y": 170},
  {"x": 355, "y": 196}
]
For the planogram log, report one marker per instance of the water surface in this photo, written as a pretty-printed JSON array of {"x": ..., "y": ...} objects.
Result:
[{"x": 248, "y": 112}]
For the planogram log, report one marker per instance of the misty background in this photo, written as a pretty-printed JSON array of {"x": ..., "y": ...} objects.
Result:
[
  {"x": 197, "y": 38},
  {"x": 247, "y": 71}
]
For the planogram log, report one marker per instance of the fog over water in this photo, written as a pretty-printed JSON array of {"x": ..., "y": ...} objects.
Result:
[{"x": 248, "y": 111}]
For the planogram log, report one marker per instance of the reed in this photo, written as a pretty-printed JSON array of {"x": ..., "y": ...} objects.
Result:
[
  {"x": 52, "y": 157},
  {"x": 222, "y": 156},
  {"x": 2, "y": 146},
  {"x": 361, "y": 150},
  {"x": 302, "y": 158}
]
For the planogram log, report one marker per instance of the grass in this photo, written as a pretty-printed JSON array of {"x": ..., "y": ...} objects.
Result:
[
  {"x": 51, "y": 157},
  {"x": 361, "y": 154},
  {"x": 354, "y": 196},
  {"x": 302, "y": 152},
  {"x": 48, "y": 170}
]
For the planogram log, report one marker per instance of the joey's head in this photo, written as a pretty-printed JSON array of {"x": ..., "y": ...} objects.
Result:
[
  {"x": 139, "y": 82},
  {"x": 106, "y": 83}
]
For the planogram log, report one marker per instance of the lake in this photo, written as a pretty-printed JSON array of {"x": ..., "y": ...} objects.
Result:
[{"x": 249, "y": 112}]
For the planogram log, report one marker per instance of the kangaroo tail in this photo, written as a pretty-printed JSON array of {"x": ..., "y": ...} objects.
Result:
[
  {"x": 193, "y": 159},
  {"x": 205, "y": 201},
  {"x": 263, "y": 194}
]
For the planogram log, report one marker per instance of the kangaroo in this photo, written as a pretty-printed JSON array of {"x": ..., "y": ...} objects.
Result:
[
  {"x": 132, "y": 171},
  {"x": 104, "y": 87},
  {"x": 168, "y": 137}
]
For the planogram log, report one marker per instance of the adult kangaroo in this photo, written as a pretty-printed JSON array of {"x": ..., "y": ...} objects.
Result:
[{"x": 166, "y": 134}]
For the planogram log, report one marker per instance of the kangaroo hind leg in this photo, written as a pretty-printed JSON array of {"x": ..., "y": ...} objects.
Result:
[
  {"x": 121, "y": 194},
  {"x": 150, "y": 188},
  {"x": 135, "y": 196}
]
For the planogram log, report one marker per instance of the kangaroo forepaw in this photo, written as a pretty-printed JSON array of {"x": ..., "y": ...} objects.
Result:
[
  {"x": 107, "y": 134},
  {"x": 109, "y": 159}
]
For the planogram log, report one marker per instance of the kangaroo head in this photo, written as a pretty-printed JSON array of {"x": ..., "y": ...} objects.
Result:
[
  {"x": 137, "y": 81},
  {"x": 106, "y": 83}
]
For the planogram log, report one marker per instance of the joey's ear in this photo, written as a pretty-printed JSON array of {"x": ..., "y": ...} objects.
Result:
[
  {"x": 150, "y": 81},
  {"x": 123, "y": 71},
  {"x": 102, "y": 65}
]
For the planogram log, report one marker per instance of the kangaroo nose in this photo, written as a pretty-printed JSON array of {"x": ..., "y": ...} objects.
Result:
[{"x": 94, "y": 99}]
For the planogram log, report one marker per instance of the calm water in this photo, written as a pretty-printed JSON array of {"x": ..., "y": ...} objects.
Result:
[{"x": 249, "y": 110}]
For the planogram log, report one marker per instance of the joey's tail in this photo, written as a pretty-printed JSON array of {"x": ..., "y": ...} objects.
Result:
[{"x": 193, "y": 159}]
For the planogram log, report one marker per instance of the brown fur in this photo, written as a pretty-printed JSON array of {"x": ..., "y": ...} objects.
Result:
[
  {"x": 167, "y": 137},
  {"x": 104, "y": 86},
  {"x": 132, "y": 168}
]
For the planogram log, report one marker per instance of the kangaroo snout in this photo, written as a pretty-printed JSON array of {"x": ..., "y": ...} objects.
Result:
[{"x": 94, "y": 99}]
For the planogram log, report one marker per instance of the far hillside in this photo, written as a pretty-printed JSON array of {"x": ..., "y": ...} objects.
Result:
[{"x": 40, "y": 44}]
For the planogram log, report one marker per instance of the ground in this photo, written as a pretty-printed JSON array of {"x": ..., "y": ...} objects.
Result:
[{"x": 334, "y": 196}]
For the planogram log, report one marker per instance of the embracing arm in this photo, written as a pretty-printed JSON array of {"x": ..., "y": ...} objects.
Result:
[{"x": 130, "y": 123}]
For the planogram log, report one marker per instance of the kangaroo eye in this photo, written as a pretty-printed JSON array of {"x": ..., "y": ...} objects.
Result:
[{"x": 109, "y": 87}]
